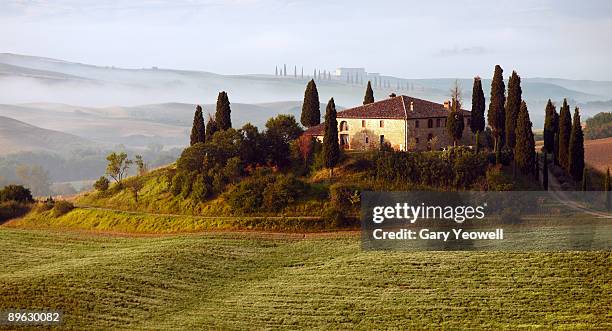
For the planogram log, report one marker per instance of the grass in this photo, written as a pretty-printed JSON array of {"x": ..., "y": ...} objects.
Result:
[
  {"x": 135, "y": 222},
  {"x": 248, "y": 281}
]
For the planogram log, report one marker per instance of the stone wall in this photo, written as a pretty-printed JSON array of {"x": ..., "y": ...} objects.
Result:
[{"x": 365, "y": 133}]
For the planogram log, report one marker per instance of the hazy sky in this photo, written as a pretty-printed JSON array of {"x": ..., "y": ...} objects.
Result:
[{"x": 412, "y": 39}]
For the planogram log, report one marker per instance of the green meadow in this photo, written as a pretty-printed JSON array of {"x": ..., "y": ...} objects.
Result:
[{"x": 324, "y": 281}]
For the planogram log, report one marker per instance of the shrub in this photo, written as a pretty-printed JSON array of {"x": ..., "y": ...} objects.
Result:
[
  {"x": 12, "y": 209},
  {"x": 497, "y": 180},
  {"x": 192, "y": 158},
  {"x": 334, "y": 216},
  {"x": 264, "y": 193},
  {"x": 246, "y": 197},
  {"x": 283, "y": 191},
  {"x": 200, "y": 189},
  {"x": 46, "y": 205},
  {"x": 101, "y": 184},
  {"x": 187, "y": 182},
  {"x": 177, "y": 183},
  {"x": 344, "y": 195},
  {"x": 16, "y": 193},
  {"x": 62, "y": 207}
]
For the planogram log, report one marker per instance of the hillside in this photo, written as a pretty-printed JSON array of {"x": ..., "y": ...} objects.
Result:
[
  {"x": 598, "y": 153},
  {"x": 17, "y": 136},
  {"x": 261, "y": 281}
]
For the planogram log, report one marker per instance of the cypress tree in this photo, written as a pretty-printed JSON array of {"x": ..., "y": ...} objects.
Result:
[
  {"x": 524, "y": 151},
  {"x": 536, "y": 170},
  {"x": 584, "y": 180},
  {"x": 513, "y": 105},
  {"x": 477, "y": 123},
  {"x": 576, "y": 148},
  {"x": 331, "y": 147},
  {"x": 311, "y": 113},
  {"x": 556, "y": 150},
  {"x": 369, "y": 94},
  {"x": 211, "y": 127},
  {"x": 545, "y": 173},
  {"x": 477, "y": 142},
  {"x": 565, "y": 131},
  {"x": 198, "y": 131},
  {"x": 223, "y": 114},
  {"x": 454, "y": 122},
  {"x": 607, "y": 190},
  {"x": 496, "y": 116},
  {"x": 549, "y": 127}
]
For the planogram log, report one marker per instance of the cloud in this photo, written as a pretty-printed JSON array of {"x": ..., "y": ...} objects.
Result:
[{"x": 459, "y": 51}]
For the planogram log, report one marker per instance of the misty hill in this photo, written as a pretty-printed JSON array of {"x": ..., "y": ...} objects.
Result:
[
  {"x": 99, "y": 86},
  {"x": 168, "y": 124},
  {"x": 17, "y": 136}
]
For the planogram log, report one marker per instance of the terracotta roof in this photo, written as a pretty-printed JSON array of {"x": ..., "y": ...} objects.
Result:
[
  {"x": 397, "y": 108},
  {"x": 392, "y": 108},
  {"x": 316, "y": 130}
]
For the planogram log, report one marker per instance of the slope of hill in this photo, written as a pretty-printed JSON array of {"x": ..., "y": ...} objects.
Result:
[
  {"x": 16, "y": 136},
  {"x": 598, "y": 153}
]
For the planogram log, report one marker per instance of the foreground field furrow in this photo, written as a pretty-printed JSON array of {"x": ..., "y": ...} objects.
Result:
[{"x": 246, "y": 281}]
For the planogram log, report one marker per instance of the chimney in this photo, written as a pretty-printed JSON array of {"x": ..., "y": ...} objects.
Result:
[
  {"x": 411, "y": 106},
  {"x": 447, "y": 104}
]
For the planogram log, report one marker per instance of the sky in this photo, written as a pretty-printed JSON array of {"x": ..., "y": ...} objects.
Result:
[{"x": 409, "y": 39}]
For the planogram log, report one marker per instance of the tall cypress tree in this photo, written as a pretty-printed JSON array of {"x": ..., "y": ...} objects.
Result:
[
  {"x": 211, "y": 127},
  {"x": 545, "y": 173},
  {"x": 565, "y": 131},
  {"x": 198, "y": 131},
  {"x": 524, "y": 150},
  {"x": 331, "y": 146},
  {"x": 513, "y": 105},
  {"x": 369, "y": 94},
  {"x": 454, "y": 121},
  {"x": 477, "y": 142},
  {"x": 585, "y": 184},
  {"x": 477, "y": 123},
  {"x": 223, "y": 114},
  {"x": 311, "y": 112},
  {"x": 496, "y": 116},
  {"x": 576, "y": 148},
  {"x": 556, "y": 150},
  {"x": 549, "y": 127}
]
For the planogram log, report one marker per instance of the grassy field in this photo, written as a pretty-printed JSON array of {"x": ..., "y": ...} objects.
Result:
[
  {"x": 250, "y": 281},
  {"x": 138, "y": 222}
]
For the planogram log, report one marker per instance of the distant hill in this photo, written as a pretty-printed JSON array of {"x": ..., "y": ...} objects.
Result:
[
  {"x": 27, "y": 79},
  {"x": 17, "y": 136}
]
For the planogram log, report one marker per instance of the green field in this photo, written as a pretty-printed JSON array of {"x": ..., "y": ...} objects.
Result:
[{"x": 251, "y": 281}]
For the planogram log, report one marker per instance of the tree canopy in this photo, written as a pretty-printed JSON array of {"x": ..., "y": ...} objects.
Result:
[
  {"x": 477, "y": 123},
  {"x": 223, "y": 113},
  {"x": 331, "y": 146},
  {"x": 496, "y": 115},
  {"x": 369, "y": 94},
  {"x": 513, "y": 105},
  {"x": 198, "y": 130},
  {"x": 311, "y": 113},
  {"x": 565, "y": 131},
  {"x": 524, "y": 150},
  {"x": 576, "y": 148}
]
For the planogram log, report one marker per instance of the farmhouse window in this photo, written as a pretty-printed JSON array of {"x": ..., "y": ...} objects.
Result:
[{"x": 429, "y": 123}]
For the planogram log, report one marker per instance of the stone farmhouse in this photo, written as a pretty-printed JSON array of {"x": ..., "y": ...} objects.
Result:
[{"x": 406, "y": 123}]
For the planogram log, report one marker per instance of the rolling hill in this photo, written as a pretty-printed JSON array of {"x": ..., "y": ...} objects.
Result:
[
  {"x": 57, "y": 81},
  {"x": 16, "y": 136}
]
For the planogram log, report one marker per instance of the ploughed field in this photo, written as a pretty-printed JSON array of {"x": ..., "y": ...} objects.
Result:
[
  {"x": 250, "y": 280},
  {"x": 598, "y": 153}
]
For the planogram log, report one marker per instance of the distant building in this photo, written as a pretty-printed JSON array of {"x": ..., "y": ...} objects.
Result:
[{"x": 406, "y": 123}]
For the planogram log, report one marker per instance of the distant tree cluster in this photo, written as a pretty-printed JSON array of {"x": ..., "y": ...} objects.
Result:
[
  {"x": 205, "y": 168},
  {"x": 599, "y": 126}
]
